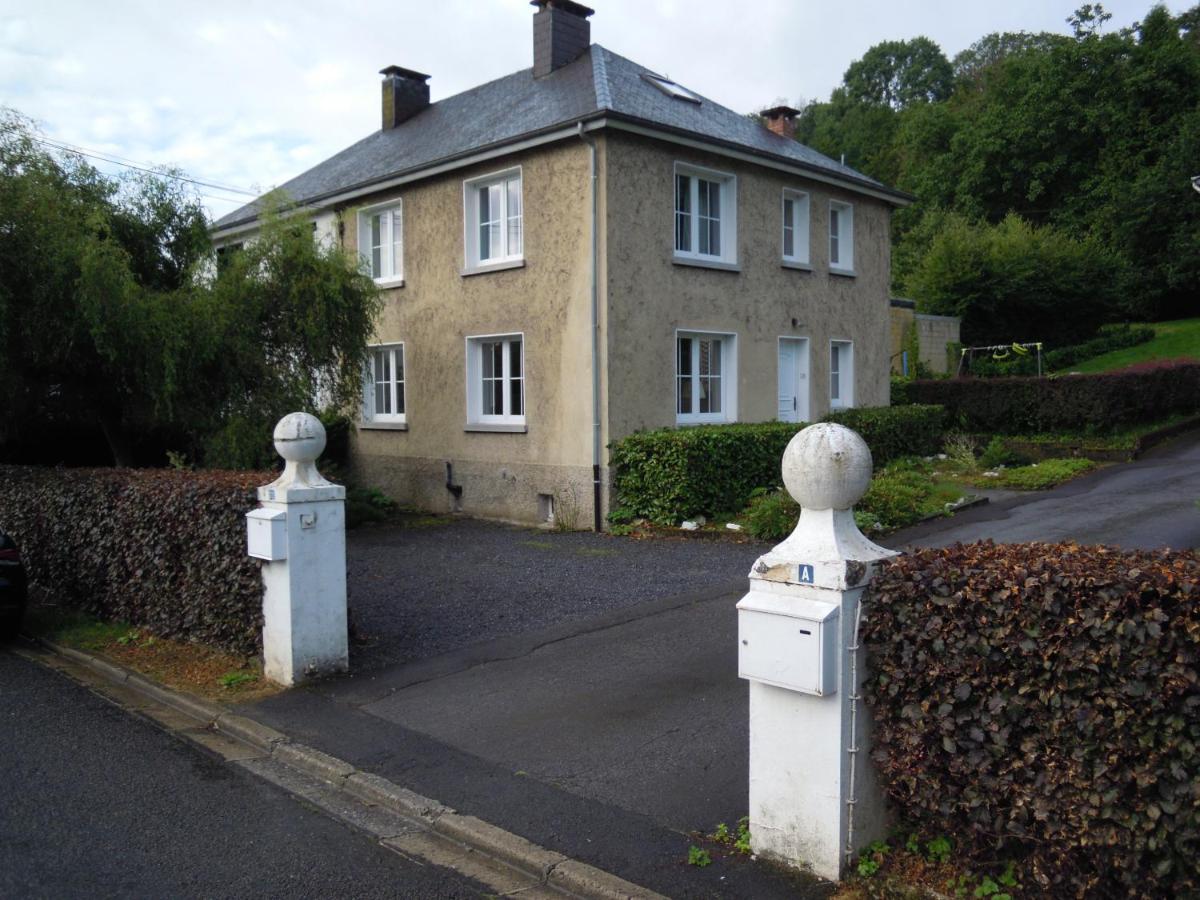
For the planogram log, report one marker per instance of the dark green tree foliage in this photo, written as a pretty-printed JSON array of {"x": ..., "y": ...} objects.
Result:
[
  {"x": 1095, "y": 134},
  {"x": 112, "y": 319},
  {"x": 1012, "y": 281},
  {"x": 899, "y": 74}
]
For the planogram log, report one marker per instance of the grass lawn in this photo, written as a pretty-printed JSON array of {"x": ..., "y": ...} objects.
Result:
[{"x": 1172, "y": 340}]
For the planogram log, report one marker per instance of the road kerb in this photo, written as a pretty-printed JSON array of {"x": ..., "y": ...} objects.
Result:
[
  {"x": 251, "y": 732},
  {"x": 503, "y": 845},
  {"x": 551, "y": 868}
]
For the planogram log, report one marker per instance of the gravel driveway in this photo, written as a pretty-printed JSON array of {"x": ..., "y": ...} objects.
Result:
[{"x": 417, "y": 592}]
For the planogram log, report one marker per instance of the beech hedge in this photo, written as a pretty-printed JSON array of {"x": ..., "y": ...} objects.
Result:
[
  {"x": 158, "y": 548},
  {"x": 671, "y": 473},
  {"x": 1042, "y": 703},
  {"x": 1098, "y": 403}
]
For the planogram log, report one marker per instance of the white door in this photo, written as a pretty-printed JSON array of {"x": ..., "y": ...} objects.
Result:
[{"x": 793, "y": 379}]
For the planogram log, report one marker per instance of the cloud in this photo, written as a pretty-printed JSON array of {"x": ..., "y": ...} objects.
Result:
[{"x": 252, "y": 93}]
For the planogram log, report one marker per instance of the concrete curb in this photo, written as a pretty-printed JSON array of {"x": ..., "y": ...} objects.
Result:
[{"x": 549, "y": 867}]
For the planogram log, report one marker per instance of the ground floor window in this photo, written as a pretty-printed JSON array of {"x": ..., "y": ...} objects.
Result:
[
  {"x": 383, "y": 399},
  {"x": 496, "y": 380},
  {"x": 705, "y": 377},
  {"x": 841, "y": 374}
]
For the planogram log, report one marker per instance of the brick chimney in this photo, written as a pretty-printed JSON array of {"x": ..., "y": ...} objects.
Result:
[
  {"x": 561, "y": 32},
  {"x": 405, "y": 93},
  {"x": 781, "y": 120}
]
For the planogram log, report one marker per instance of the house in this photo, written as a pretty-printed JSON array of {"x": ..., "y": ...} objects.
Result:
[{"x": 583, "y": 249}]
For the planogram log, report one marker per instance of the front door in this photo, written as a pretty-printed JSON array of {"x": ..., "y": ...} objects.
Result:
[{"x": 793, "y": 379}]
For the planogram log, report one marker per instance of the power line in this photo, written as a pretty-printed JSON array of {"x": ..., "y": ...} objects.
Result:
[{"x": 68, "y": 148}]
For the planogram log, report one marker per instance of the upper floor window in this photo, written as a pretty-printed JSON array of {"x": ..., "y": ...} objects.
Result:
[
  {"x": 383, "y": 399},
  {"x": 795, "y": 227},
  {"x": 705, "y": 377},
  {"x": 841, "y": 236},
  {"x": 705, "y": 215},
  {"x": 494, "y": 221},
  {"x": 381, "y": 241}
]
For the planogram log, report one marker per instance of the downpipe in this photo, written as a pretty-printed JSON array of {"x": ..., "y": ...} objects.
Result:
[{"x": 598, "y": 523}]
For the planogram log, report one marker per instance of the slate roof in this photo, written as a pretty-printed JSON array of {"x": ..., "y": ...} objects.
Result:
[{"x": 599, "y": 83}]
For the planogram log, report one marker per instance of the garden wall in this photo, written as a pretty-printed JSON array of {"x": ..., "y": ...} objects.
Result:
[{"x": 162, "y": 549}]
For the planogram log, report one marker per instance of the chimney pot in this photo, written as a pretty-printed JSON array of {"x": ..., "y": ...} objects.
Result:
[
  {"x": 405, "y": 93},
  {"x": 561, "y": 33},
  {"x": 781, "y": 120}
]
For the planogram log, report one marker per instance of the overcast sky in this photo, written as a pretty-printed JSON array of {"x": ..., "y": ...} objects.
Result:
[{"x": 249, "y": 94}]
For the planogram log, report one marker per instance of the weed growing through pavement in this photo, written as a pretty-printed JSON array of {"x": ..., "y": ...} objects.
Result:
[
  {"x": 232, "y": 680},
  {"x": 697, "y": 856}
]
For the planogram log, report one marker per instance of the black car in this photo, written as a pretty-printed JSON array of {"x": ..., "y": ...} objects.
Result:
[{"x": 13, "y": 590}]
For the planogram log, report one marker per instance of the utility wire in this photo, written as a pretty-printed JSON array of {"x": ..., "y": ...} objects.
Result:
[{"x": 68, "y": 148}]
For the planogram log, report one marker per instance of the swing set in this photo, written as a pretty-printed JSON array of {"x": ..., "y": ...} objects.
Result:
[{"x": 999, "y": 353}]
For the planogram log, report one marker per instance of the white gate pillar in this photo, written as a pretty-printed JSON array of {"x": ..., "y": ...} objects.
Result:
[
  {"x": 300, "y": 533},
  {"x": 814, "y": 799}
]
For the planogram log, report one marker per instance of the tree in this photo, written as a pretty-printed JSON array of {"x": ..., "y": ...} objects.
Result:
[
  {"x": 899, "y": 74},
  {"x": 112, "y": 316},
  {"x": 1015, "y": 282}
]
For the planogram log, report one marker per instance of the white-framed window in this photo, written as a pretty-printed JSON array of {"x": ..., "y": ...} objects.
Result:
[
  {"x": 841, "y": 236},
  {"x": 381, "y": 241},
  {"x": 496, "y": 380},
  {"x": 841, "y": 374},
  {"x": 705, "y": 377},
  {"x": 383, "y": 392},
  {"x": 795, "y": 227},
  {"x": 705, "y": 215},
  {"x": 493, "y": 211}
]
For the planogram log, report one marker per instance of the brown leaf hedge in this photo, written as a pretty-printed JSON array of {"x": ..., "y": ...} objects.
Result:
[
  {"x": 161, "y": 549},
  {"x": 1041, "y": 702}
]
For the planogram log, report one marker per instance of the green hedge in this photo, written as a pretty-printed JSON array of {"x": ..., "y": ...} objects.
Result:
[
  {"x": 1097, "y": 403},
  {"x": 162, "y": 549},
  {"x": 672, "y": 473},
  {"x": 1042, "y": 703}
]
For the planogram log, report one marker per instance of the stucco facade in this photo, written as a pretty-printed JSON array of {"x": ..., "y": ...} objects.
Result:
[
  {"x": 644, "y": 297},
  {"x": 651, "y": 295},
  {"x": 546, "y": 300}
]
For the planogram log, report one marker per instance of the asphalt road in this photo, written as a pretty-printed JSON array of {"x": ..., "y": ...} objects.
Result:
[
  {"x": 95, "y": 802},
  {"x": 1143, "y": 505}
]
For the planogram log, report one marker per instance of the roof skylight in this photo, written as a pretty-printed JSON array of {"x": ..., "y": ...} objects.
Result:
[{"x": 670, "y": 88}]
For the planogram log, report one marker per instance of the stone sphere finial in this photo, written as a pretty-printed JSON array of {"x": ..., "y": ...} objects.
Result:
[
  {"x": 827, "y": 466},
  {"x": 299, "y": 438}
]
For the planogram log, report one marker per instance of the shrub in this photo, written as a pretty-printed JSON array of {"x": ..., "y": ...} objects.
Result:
[
  {"x": 899, "y": 390},
  {"x": 1043, "y": 701},
  {"x": 1011, "y": 281},
  {"x": 900, "y": 494},
  {"x": 893, "y": 432},
  {"x": 672, "y": 473},
  {"x": 998, "y": 453},
  {"x": 1046, "y": 474},
  {"x": 158, "y": 548},
  {"x": 1097, "y": 403}
]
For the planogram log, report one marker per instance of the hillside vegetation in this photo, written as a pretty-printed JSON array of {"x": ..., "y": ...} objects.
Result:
[{"x": 1051, "y": 171}]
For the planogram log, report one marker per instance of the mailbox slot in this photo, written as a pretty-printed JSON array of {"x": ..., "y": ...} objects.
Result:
[
  {"x": 789, "y": 642},
  {"x": 266, "y": 534}
]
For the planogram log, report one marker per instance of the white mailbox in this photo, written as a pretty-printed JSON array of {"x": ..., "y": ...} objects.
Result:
[
  {"x": 266, "y": 534},
  {"x": 789, "y": 642}
]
